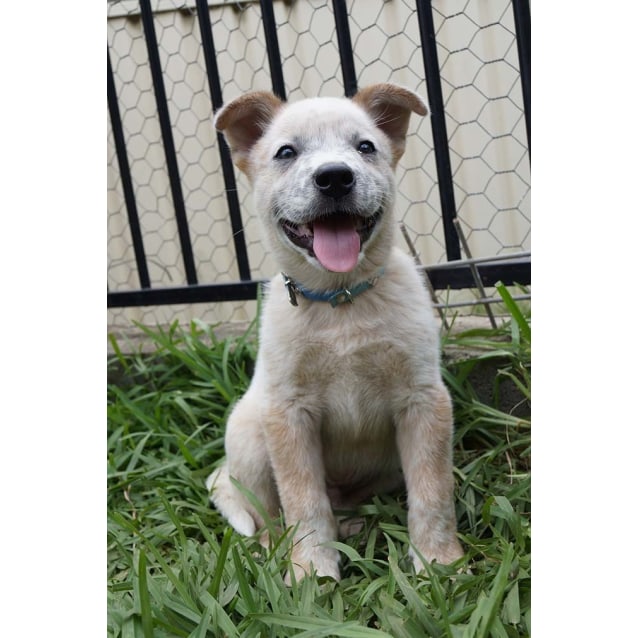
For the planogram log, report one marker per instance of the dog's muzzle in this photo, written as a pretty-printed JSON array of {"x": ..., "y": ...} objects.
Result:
[
  {"x": 335, "y": 240},
  {"x": 336, "y": 235}
]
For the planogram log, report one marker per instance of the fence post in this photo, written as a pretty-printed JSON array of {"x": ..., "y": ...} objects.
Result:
[
  {"x": 214, "y": 86},
  {"x": 169, "y": 144},
  {"x": 272, "y": 47},
  {"x": 439, "y": 129},
  {"x": 125, "y": 176},
  {"x": 345, "y": 47},
  {"x": 522, "y": 22}
]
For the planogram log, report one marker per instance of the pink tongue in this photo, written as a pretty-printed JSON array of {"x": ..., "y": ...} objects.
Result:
[{"x": 336, "y": 243}]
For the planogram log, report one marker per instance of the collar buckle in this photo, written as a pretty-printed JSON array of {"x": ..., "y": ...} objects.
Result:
[
  {"x": 292, "y": 290},
  {"x": 341, "y": 296}
]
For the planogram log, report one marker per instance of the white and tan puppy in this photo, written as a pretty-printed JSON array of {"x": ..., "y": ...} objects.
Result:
[{"x": 347, "y": 398}]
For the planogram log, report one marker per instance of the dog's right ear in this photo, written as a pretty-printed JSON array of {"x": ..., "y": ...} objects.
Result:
[{"x": 244, "y": 120}]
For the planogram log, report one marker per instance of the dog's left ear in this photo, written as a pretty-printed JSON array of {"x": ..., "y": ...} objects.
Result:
[{"x": 390, "y": 107}]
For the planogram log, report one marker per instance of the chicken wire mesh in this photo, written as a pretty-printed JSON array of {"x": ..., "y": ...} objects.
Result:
[{"x": 484, "y": 115}]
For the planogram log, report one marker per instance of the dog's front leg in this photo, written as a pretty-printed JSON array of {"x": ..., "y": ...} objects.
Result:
[
  {"x": 424, "y": 439},
  {"x": 294, "y": 446}
]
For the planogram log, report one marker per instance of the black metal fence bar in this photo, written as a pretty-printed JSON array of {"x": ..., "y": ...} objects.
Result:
[
  {"x": 234, "y": 209},
  {"x": 522, "y": 22},
  {"x": 272, "y": 47},
  {"x": 345, "y": 47},
  {"x": 167, "y": 138},
  {"x": 457, "y": 277},
  {"x": 201, "y": 293},
  {"x": 125, "y": 176},
  {"x": 439, "y": 128}
]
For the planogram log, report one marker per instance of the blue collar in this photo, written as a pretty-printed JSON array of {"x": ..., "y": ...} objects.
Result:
[{"x": 335, "y": 297}]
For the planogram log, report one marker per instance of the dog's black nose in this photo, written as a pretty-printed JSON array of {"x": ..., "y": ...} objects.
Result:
[{"x": 334, "y": 179}]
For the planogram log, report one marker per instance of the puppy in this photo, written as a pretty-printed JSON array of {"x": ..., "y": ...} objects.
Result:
[{"x": 347, "y": 399}]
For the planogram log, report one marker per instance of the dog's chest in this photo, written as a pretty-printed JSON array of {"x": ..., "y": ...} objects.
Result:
[
  {"x": 356, "y": 381},
  {"x": 353, "y": 364}
]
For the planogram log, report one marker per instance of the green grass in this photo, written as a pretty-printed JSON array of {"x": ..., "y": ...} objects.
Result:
[{"x": 176, "y": 569}]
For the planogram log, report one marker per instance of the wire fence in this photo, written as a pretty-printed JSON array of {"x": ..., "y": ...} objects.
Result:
[{"x": 179, "y": 219}]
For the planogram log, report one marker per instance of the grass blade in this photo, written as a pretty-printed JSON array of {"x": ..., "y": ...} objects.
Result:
[
  {"x": 487, "y": 609},
  {"x": 515, "y": 311},
  {"x": 201, "y": 631},
  {"x": 316, "y": 627},
  {"x": 220, "y": 619},
  {"x": 143, "y": 596},
  {"x": 416, "y": 604}
]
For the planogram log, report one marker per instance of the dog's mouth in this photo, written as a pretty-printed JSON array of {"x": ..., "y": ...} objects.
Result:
[{"x": 335, "y": 240}]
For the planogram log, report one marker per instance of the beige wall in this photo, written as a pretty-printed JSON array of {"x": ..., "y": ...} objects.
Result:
[{"x": 481, "y": 89}]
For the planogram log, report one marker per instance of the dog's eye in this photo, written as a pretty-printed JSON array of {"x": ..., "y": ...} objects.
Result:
[
  {"x": 366, "y": 147},
  {"x": 286, "y": 152}
]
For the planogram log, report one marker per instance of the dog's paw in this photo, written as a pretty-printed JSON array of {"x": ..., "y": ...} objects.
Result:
[
  {"x": 303, "y": 571},
  {"x": 443, "y": 554},
  {"x": 320, "y": 562},
  {"x": 224, "y": 497},
  {"x": 350, "y": 526}
]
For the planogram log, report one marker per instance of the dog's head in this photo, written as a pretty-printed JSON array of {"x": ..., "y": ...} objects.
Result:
[{"x": 322, "y": 170}]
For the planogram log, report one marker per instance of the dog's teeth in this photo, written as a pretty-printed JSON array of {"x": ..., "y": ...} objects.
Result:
[{"x": 299, "y": 231}]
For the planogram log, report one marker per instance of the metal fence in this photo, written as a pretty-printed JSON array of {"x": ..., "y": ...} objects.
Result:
[{"x": 181, "y": 230}]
